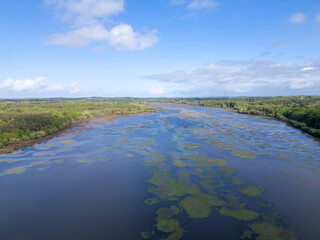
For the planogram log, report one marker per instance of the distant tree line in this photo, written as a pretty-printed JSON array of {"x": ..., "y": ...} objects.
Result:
[
  {"x": 28, "y": 119},
  {"x": 302, "y": 112}
]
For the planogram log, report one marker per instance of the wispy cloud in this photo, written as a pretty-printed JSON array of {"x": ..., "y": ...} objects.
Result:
[
  {"x": 318, "y": 18},
  {"x": 298, "y": 18},
  {"x": 196, "y": 4},
  {"x": 39, "y": 84},
  {"x": 246, "y": 77},
  {"x": 87, "y": 19}
]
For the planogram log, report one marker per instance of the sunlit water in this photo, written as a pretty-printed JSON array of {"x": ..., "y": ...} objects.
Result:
[{"x": 184, "y": 173}]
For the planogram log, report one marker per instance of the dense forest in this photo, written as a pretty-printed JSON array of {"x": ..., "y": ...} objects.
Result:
[
  {"x": 28, "y": 119},
  {"x": 302, "y": 112}
]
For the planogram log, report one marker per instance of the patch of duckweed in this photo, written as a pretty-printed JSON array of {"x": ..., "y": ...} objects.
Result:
[
  {"x": 267, "y": 231},
  {"x": 43, "y": 154},
  {"x": 129, "y": 155},
  {"x": 201, "y": 205},
  {"x": 247, "y": 235},
  {"x": 147, "y": 143},
  {"x": 188, "y": 153},
  {"x": 166, "y": 186},
  {"x": 151, "y": 201},
  {"x": 83, "y": 161},
  {"x": 10, "y": 171},
  {"x": 224, "y": 146},
  {"x": 185, "y": 182},
  {"x": 206, "y": 184},
  {"x": 237, "y": 181},
  {"x": 205, "y": 162},
  {"x": 244, "y": 154},
  {"x": 179, "y": 163},
  {"x": 58, "y": 161},
  {"x": 146, "y": 235},
  {"x": 251, "y": 191},
  {"x": 239, "y": 213},
  {"x": 101, "y": 159},
  {"x": 227, "y": 170},
  {"x": 192, "y": 146},
  {"x": 167, "y": 224},
  {"x": 40, "y": 163}
]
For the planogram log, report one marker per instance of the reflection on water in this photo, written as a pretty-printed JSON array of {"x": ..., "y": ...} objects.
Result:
[{"x": 185, "y": 173}]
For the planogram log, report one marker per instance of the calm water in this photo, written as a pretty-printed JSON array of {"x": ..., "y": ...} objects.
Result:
[{"x": 184, "y": 173}]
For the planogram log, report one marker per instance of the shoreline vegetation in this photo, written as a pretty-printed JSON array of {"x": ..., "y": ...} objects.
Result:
[
  {"x": 24, "y": 122},
  {"x": 301, "y": 112}
]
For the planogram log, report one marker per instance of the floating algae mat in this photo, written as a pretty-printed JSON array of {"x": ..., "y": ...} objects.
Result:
[{"x": 183, "y": 173}]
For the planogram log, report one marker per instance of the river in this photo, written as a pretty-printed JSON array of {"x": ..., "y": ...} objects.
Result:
[{"x": 183, "y": 173}]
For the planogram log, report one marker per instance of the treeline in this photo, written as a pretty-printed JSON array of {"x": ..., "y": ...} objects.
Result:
[
  {"x": 302, "y": 112},
  {"x": 28, "y": 119}
]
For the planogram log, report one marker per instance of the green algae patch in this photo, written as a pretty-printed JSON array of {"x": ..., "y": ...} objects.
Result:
[
  {"x": 206, "y": 184},
  {"x": 166, "y": 185},
  {"x": 167, "y": 224},
  {"x": 101, "y": 159},
  {"x": 251, "y": 191},
  {"x": 224, "y": 146},
  {"x": 201, "y": 205},
  {"x": 192, "y": 146},
  {"x": 151, "y": 201},
  {"x": 244, "y": 154},
  {"x": 185, "y": 182},
  {"x": 267, "y": 231},
  {"x": 39, "y": 163},
  {"x": 241, "y": 214},
  {"x": 129, "y": 156},
  {"x": 83, "y": 161},
  {"x": 227, "y": 170},
  {"x": 58, "y": 161},
  {"x": 17, "y": 171},
  {"x": 179, "y": 163},
  {"x": 237, "y": 181},
  {"x": 43, "y": 154},
  {"x": 206, "y": 162},
  {"x": 146, "y": 235}
]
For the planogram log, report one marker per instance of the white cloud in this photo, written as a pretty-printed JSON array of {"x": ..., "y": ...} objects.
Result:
[
  {"x": 246, "y": 77},
  {"x": 39, "y": 84},
  {"x": 202, "y": 4},
  {"x": 80, "y": 37},
  {"x": 88, "y": 19},
  {"x": 86, "y": 12},
  {"x": 24, "y": 85},
  {"x": 298, "y": 18},
  {"x": 318, "y": 18},
  {"x": 122, "y": 37},
  {"x": 196, "y": 4}
]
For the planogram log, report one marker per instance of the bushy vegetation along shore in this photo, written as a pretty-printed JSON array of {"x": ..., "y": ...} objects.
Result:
[
  {"x": 302, "y": 112},
  {"x": 27, "y": 119}
]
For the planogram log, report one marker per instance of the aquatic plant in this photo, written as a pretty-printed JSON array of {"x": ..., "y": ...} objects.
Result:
[
  {"x": 244, "y": 154},
  {"x": 151, "y": 201},
  {"x": 251, "y": 191},
  {"x": 167, "y": 224},
  {"x": 192, "y": 146},
  {"x": 179, "y": 163},
  {"x": 201, "y": 205},
  {"x": 10, "y": 171},
  {"x": 240, "y": 213}
]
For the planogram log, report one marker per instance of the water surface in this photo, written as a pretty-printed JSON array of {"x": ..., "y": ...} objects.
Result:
[{"x": 184, "y": 173}]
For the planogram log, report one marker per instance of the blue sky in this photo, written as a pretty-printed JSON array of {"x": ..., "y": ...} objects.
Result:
[{"x": 159, "y": 48}]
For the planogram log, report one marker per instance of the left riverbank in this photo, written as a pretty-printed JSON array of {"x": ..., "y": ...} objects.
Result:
[{"x": 25, "y": 122}]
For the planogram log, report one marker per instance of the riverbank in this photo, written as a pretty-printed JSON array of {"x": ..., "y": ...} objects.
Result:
[
  {"x": 82, "y": 124},
  {"x": 295, "y": 124}
]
